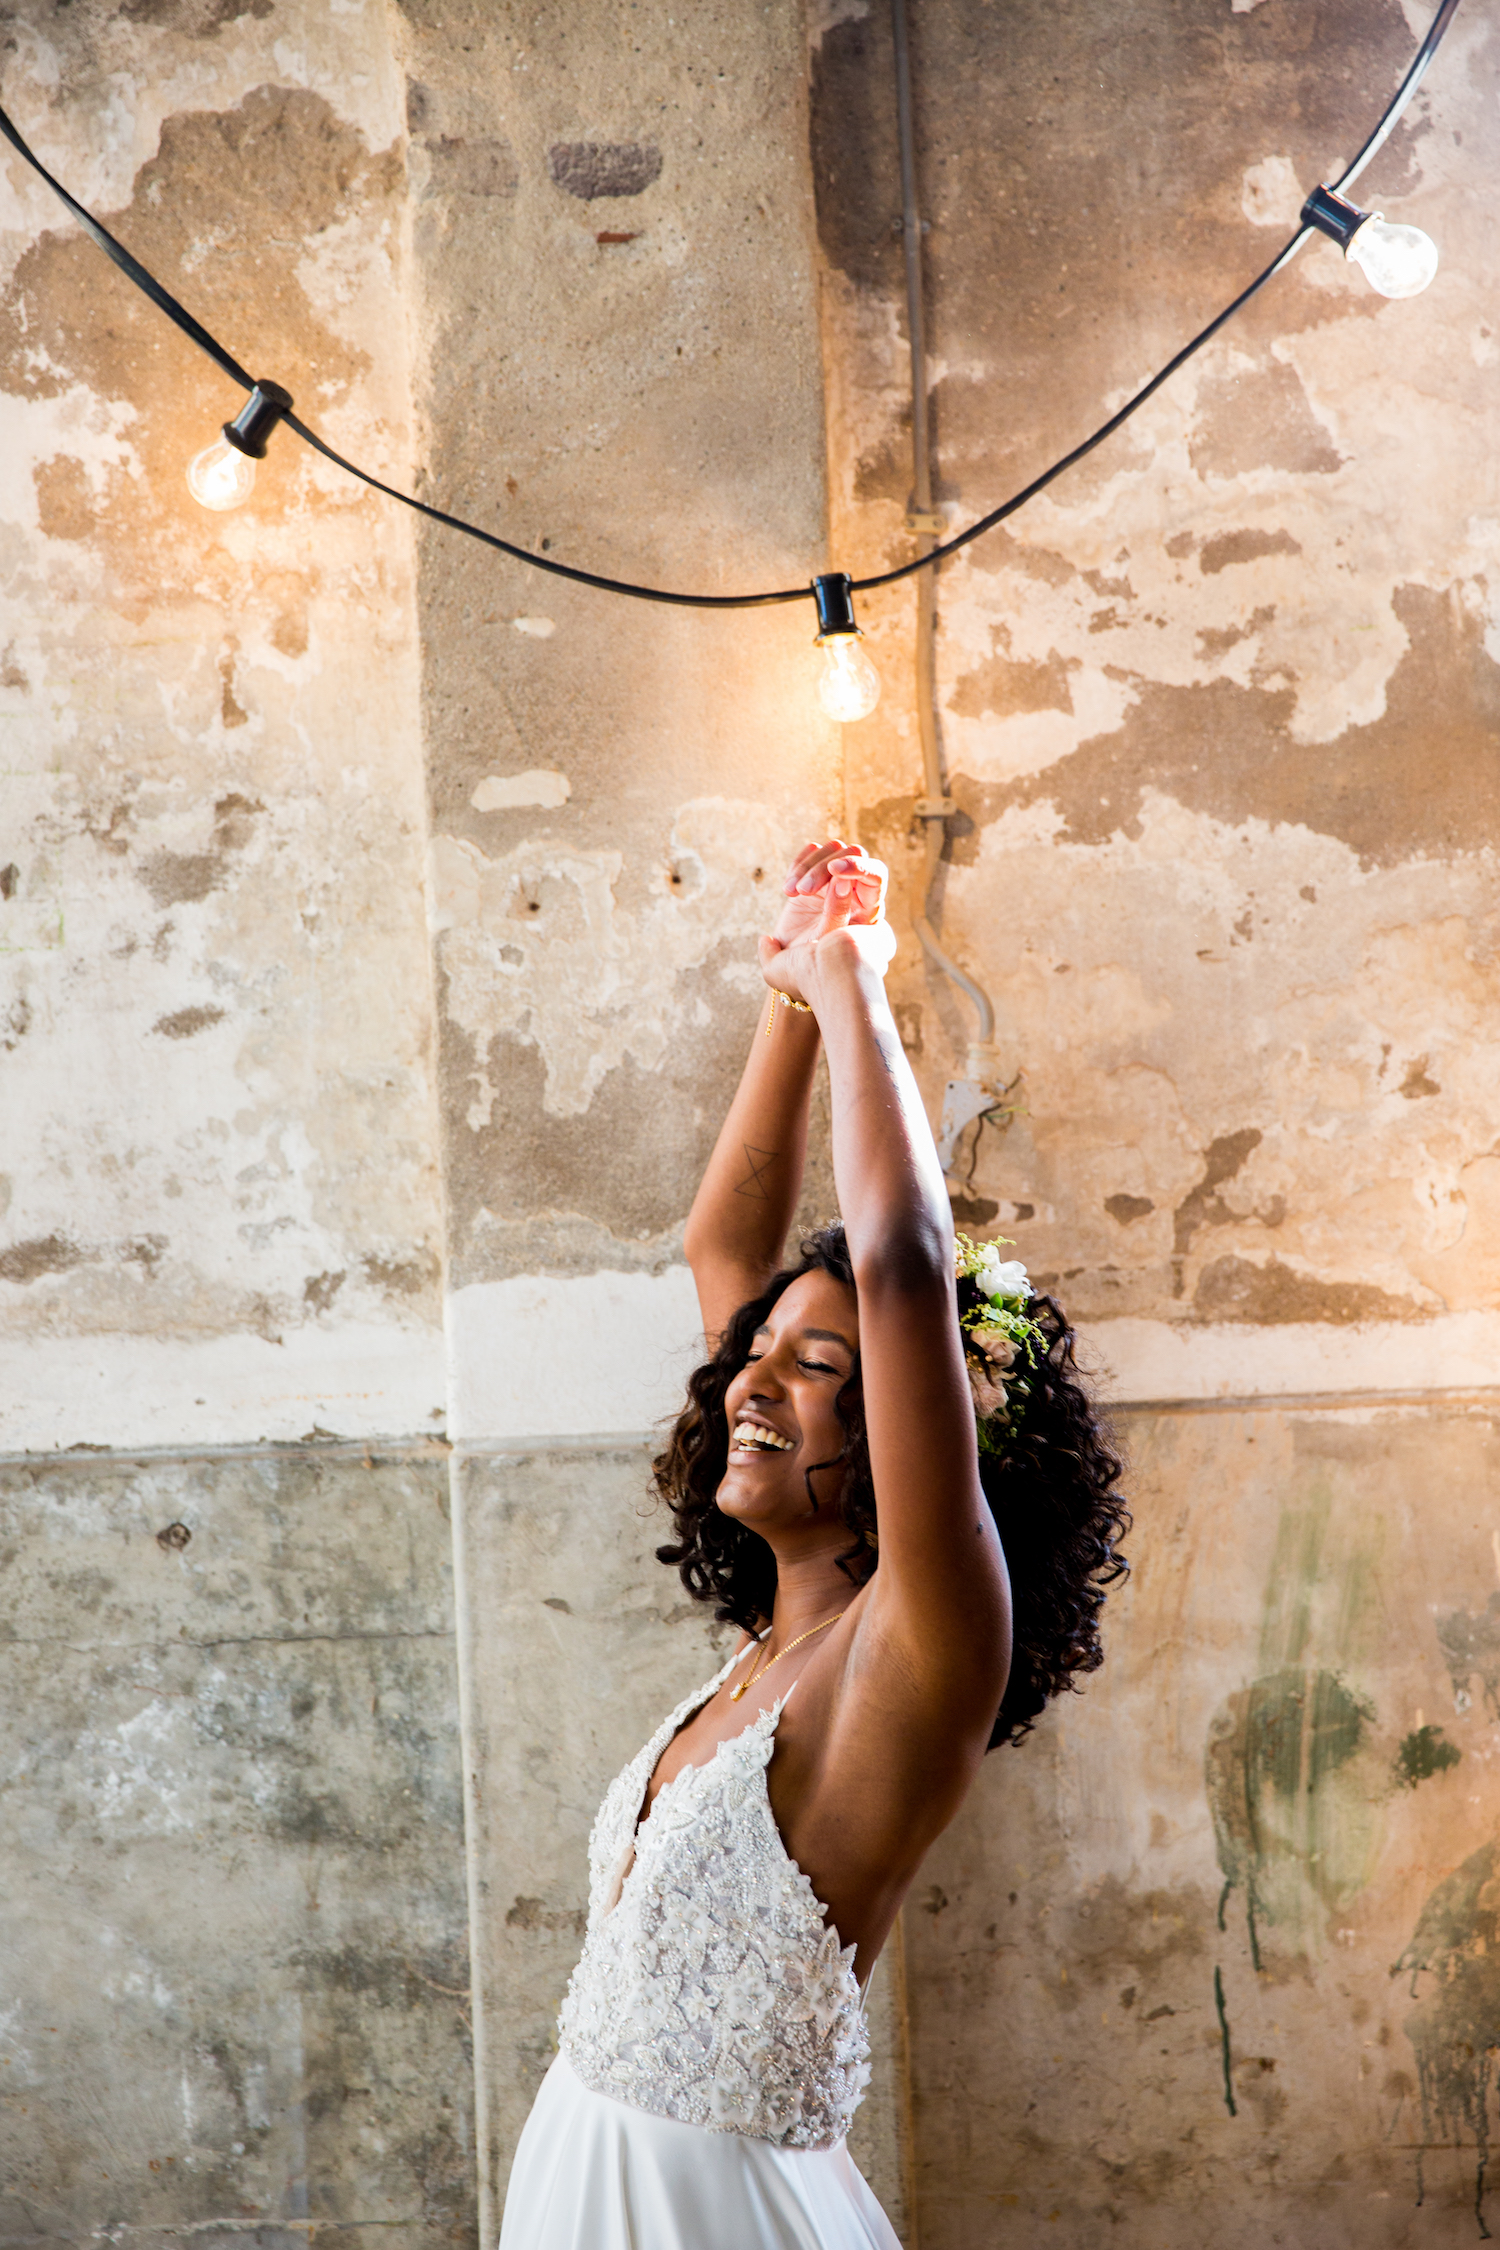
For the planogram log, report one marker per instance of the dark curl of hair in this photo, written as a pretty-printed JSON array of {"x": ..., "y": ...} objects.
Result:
[{"x": 1051, "y": 1490}]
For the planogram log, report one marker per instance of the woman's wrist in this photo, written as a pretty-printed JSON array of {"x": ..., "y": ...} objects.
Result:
[{"x": 842, "y": 971}]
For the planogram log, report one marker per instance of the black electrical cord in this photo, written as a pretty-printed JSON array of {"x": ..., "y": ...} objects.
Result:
[
  {"x": 162, "y": 298},
  {"x": 1376, "y": 141}
]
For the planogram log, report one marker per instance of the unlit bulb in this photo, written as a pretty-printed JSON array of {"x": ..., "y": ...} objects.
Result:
[
  {"x": 1398, "y": 261},
  {"x": 850, "y": 686},
  {"x": 221, "y": 476}
]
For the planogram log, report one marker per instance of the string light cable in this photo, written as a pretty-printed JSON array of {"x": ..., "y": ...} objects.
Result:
[{"x": 1397, "y": 260}]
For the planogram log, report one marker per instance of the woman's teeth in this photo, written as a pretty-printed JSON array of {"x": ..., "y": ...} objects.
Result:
[{"x": 753, "y": 1435}]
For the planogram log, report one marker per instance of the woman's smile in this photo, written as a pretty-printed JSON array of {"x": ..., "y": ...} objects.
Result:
[{"x": 754, "y": 1435}]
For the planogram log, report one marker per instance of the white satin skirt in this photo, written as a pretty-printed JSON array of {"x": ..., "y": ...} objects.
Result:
[{"x": 595, "y": 2174}]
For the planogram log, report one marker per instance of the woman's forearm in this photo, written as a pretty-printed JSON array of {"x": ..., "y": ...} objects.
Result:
[
  {"x": 890, "y": 1186},
  {"x": 738, "y": 1225}
]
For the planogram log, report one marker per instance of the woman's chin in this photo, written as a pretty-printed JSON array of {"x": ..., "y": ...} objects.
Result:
[{"x": 749, "y": 1497}]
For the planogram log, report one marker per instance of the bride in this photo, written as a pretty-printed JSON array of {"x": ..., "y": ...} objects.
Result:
[{"x": 889, "y": 1476}]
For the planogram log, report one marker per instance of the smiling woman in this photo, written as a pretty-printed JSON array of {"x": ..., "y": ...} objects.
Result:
[{"x": 886, "y": 1464}]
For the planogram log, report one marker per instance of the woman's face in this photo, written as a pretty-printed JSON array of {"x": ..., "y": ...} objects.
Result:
[{"x": 781, "y": 1408}]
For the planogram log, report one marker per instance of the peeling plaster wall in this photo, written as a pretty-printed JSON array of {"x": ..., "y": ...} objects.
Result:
[
  {"x": 1206, "y": 1957},
  {"x": 220, "y": 1204},
  {"x": 1220, "y": 714},
  {"x": 1221, "y": 709},
  {"x": 614, "y": 257},
  {"x": 233, "y": 1973}
]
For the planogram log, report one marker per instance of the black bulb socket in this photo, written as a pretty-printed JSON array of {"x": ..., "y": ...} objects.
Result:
[
  {"x": 250, "y": 431},
  {"x": 834, "y": 595},
  {"x": 1334, "y": 216}
]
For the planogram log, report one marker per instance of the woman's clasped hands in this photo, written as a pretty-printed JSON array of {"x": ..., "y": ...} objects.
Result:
[{"x": 834, "y": 896}]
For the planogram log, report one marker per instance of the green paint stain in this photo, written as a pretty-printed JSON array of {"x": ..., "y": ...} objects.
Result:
[
  {"x": 1296, "y": 1569},
  {"x": 1224, "y": 2042},
  {"x": 1423, "y": 1754},
  {"x": 1290, "y": 1830}
]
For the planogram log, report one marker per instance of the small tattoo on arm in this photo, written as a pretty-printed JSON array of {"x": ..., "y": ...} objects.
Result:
[{"x": 760, "y": 1161}]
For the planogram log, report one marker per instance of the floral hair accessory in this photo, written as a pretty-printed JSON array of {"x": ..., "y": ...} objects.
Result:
[{"x": 1000, "y": 1337}]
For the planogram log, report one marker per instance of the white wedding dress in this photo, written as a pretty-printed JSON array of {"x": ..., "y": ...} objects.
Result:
[{"x": 713, "y": 2042}]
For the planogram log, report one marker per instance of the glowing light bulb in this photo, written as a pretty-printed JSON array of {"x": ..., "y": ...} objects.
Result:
[
  {"x": 221, "y": 476},
  {"x": 1399, "y": 261},
  {"x": 850, "y": 686}
]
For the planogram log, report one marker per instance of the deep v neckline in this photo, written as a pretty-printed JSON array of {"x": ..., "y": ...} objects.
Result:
[
  {"x": 770, "y": 1717},
  {"x": 671, "y": 1727},
  {"x": 649, "y": 1757}
]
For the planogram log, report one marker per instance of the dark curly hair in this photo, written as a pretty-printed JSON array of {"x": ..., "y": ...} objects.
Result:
[{"x": 1050, "y": 1486}]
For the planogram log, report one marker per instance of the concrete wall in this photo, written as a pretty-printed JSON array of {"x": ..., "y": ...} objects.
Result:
[
  {"x": 378, "y": 918},
  {"x": 235, "y": 1933}
]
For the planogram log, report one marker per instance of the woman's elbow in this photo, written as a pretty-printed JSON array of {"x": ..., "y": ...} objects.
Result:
[{"x": 912, "y": 1255}]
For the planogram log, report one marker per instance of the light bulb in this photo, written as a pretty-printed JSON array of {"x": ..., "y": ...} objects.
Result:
[
  {"x": 1398, "y": 261},
  {"x": 221, "y": 476},
  {"x": 850, "y": 686}
]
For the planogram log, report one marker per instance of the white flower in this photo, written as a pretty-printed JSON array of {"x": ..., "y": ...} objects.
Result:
[
  {"x": 749, "y": 1993},
  {"x": 1001, "y": 1277},
  {"x": 732, "y": 2099}
]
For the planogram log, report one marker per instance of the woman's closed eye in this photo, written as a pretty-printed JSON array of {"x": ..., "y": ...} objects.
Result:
[{"x": 810, "y": 1366}]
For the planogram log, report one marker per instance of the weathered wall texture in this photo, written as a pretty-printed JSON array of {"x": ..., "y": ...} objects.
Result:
[
  {"x": 233, "y": 1922},
  {"x": 220, "y": 1205},
  {"x": 1222, "y": 715},
  {"x": 1220, "y": 709},
  {"x": 235, "y": 1954},
  {"x": 614, "y": 258},
  {"x": 614, "y": 269},
  {"x": 1213, "y": 1957}
]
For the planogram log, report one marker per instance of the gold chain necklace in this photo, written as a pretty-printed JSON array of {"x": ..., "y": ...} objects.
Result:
[{"x": 761, "y": 1670}]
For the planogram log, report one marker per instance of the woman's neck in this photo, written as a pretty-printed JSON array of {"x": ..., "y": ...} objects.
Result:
[{"x": 808, "y": 1590}]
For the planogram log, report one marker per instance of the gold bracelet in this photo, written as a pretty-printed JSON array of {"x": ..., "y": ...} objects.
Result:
[{"x": 787, "y": 1001}]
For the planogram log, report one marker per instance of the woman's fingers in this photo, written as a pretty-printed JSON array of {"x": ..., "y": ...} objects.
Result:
[
  {"x": 812, "y": 872},
  {"x": 841, "y": 903},
  {"x": 867, "y": 880},
  {"x": 809, "y": 860}
]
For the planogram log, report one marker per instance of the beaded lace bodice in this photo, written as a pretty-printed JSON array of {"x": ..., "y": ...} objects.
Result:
[{"x": 710, "y": 1988}]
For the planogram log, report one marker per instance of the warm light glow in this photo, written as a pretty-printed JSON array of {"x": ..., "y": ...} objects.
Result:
[
  {"x": 221, "y": 476},
  {"x": 850, "y": 686},
  {"x": 1398, "y": 261}
]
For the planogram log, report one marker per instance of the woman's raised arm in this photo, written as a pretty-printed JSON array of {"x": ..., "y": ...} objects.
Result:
[
  {"x": 736, "y": 1231},
  {"x": 941, "y": 1586}
]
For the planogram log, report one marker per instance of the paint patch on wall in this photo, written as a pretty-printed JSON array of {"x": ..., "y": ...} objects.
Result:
[
  {"x": 537, "y": 943},
  {"x": 1425, "y": 1752},
  {"x": 1455, "y": 2027},
  {"x": 1470, "y": 1643},
  {"x": 509, "y": 792},
  {"x": 589, "y": 169}
]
